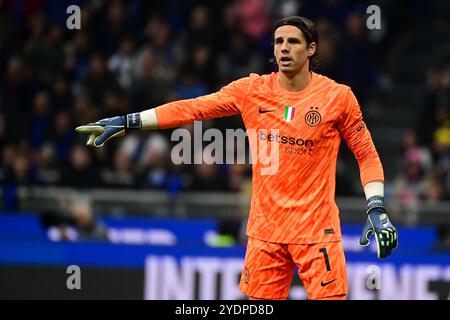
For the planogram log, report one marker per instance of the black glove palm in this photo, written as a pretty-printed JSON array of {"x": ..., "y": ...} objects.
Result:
[
  {"x": 378, "y": 223},
  {"x": 105, "y": 129}
]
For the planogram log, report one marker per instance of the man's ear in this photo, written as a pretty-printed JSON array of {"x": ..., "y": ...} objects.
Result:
[{"x": 311, "y": 49}]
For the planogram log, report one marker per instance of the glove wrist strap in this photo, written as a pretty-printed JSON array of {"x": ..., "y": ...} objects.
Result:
[
  {"x": 375, "y": 202},
  {"x": 133, "y": 121}
]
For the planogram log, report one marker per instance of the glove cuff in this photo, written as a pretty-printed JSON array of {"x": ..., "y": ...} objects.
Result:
[
  {"x": 375, "y": 202},
  {"x": 133, "y": 121}
]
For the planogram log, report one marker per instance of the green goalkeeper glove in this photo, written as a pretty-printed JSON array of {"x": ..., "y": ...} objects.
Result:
[
  {"x": 379, "y": 224},
  {"x": 105, "y": 129}
]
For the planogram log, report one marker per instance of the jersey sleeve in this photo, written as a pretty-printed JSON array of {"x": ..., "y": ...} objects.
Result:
[
  {"x": 227, "y": 101},
  {"x": 359, "y": 139}
]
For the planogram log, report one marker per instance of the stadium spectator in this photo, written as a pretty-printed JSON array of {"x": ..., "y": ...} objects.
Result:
[
  {"x": 98, "y": 79},
  {"x": 72, "y": 220},
  {"x": 80, "y": 171},
  {"x": 123, "y": 62}
]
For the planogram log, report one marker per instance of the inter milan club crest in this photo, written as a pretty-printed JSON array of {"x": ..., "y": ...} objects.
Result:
[
  {"x": 313, "y": 117},
  {"x": 289, "y": 113}
]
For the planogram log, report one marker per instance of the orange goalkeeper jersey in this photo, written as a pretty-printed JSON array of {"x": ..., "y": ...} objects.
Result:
[{"x": 294, "y": 202}]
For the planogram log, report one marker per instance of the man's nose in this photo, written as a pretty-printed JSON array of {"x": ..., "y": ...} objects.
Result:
[{"x": 285, "y": 47}]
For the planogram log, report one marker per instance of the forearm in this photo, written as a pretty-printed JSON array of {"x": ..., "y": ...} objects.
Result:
[
  {"x": 177, "y": 113},
  {"x": 372, "y": 175},
  {"x": 170, "y": 115},
  {"x": 149, "y": 119},
  {"x": 227, "y": 101},
  {"x": 374, "y": 188}
]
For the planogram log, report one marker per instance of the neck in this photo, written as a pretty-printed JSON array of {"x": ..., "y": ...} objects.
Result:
[{"x": 297, "y": 82}]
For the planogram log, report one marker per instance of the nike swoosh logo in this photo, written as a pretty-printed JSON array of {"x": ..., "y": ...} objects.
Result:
[
  {"x": 323, "y": 284},
  {"x": 264, "y": 111}
]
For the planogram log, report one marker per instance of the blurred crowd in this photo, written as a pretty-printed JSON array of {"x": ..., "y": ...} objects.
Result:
[
  {"x": 423, "y": 179},
  {"x": 133, "y": 55},
  {"x": 424, "y": 173}
]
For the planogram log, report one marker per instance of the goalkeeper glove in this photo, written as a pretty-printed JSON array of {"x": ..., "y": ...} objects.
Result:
[
  {"x": 378, "y": 223},
  {"x": 105, "y": 129}
]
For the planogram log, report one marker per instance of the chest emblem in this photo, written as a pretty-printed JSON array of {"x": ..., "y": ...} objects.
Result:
[
  {"x": 313, "y": 117},
  {"x": 289, "y": 113}
]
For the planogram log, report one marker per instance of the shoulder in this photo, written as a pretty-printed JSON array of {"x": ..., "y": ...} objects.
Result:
[
  {"x": 330, "y": 84},
  {"x": 340, "y": 93},
  {"x": 265, "y": 81},
  {"x": 261, "y": 78},
  {"x": 246, "y": 80},
  {"x": 253, "y": 80}
]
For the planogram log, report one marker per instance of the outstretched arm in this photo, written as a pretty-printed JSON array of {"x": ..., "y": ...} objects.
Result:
[{"x": 226, "y": 102}]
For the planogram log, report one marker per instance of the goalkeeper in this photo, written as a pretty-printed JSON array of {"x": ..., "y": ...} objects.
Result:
[{"x": 293, "y": 219}]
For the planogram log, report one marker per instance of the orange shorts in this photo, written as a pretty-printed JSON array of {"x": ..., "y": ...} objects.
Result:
[{"x": 269, "y": 269}]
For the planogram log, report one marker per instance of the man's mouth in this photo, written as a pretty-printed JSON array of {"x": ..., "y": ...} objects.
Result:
[{"x": 285, "y": 61}]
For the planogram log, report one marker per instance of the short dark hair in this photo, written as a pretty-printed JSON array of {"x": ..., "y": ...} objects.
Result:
[{"x": 310, "y": 32}]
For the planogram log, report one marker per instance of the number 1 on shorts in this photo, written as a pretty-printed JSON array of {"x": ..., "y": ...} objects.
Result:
[{"x": 325, "y": 254}]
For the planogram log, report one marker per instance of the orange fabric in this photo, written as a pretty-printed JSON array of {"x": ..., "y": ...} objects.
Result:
[
  {"x": 319, "y": 281},
  {"x": 296, "y": 204},
  {"x": 269, "y": 269},
  {"x": 226, "y": 102}
]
